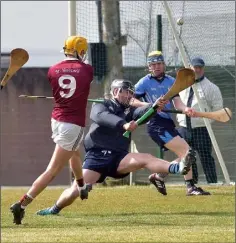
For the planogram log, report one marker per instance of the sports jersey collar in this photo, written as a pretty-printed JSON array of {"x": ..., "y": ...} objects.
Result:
[
  {"x": 118, "y": 103},
  {"x": 157, "y": 79},
  {"x": 115, "y": 101},
  {"x": 71, "y": 59}
]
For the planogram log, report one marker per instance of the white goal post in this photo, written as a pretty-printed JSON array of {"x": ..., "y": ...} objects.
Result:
[
  {"x": 71, "y": 18},
  {"x": 71, "y": 31},
  {"x": 187, "y": 64}
]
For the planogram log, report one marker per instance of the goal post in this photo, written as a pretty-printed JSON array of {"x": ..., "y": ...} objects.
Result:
[
  {"x": 187, "y": 64},
  {"x": 72, "y": 30},
  {"x": 72, "y": 18}
]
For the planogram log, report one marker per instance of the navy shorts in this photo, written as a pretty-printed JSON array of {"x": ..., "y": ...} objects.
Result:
[
  {"x": 162, "y": 135},
  {"x": 105, "y": 162}
]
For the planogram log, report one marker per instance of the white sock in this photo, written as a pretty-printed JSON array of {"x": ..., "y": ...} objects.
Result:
[{"x": 82, "y": 188}]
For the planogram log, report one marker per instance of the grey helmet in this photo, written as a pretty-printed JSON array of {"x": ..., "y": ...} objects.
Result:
[{"x": 122, "y": 84}]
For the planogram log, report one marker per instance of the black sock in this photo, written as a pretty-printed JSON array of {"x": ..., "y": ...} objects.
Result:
[
  {"x": 189, "y": 183},
  {"x": 55, "y": 209},
  {"x": 80, "y": 182}
]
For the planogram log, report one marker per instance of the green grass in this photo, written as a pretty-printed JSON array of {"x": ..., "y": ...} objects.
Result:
[{"x": 126, "y": 214}]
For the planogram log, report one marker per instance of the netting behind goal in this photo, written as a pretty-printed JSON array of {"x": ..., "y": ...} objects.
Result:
[{"x": 208, "y": 32}]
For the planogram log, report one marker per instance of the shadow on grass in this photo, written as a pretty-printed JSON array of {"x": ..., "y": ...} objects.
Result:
[
  {"x": 222, "y": 193},
  {"x": 225, "y": 214},
  {"x": 130, "y": 218}
]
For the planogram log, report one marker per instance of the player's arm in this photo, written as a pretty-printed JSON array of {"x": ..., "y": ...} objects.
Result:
[
  {"x": 179, "y": 105},
  {"x": 103, "y": 117},
  {"x": 137, "y": 103},
  {"x": 139, "y": 95},
  {"x": 140, "y": 111}
]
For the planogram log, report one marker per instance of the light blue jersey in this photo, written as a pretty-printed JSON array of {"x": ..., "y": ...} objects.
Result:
[{"x": 151, "y": 89}]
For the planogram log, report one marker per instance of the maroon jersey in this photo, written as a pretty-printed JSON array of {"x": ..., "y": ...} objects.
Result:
[{"x": 70, "y": 81}]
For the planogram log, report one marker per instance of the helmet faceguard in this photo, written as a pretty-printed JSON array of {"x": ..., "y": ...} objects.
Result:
[
  {"x": 153, "y": 58},
  {"x": 125, "y": 91}
]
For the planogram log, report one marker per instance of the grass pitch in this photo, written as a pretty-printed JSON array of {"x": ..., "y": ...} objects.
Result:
[{"x": 126, "y": 214}]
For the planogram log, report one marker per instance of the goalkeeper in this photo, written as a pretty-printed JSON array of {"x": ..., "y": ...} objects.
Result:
[{"x": 161, "y": 127}]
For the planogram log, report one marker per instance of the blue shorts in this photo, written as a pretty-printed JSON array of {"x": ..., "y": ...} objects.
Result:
[
  {"x": 162, "y": 135},
  {"x": 105, "y": 162}
]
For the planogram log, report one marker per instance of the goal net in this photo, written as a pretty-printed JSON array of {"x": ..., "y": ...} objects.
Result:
[{"x": 208, "y": 32}]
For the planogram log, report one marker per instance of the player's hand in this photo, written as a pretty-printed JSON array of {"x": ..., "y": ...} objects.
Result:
[
  {"x": 160, "y": 103},
  {"x": 189, "y": 112},
  {"x": 130, "y": 126}
]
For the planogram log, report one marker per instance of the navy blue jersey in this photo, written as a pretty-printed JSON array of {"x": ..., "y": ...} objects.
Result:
[{"x": 106, "y": 130}]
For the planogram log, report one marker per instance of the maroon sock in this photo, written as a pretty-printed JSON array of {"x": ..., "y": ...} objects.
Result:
[{"x": 25, "y": 200}]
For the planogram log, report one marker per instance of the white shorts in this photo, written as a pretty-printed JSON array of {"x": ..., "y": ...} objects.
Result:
[{"x": 66, "y": 135}]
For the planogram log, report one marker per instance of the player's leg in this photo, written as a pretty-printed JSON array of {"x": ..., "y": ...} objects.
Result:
[
  {"x": 67, "y": 137},
  {"x": 93, "y": 167},
  {"x": 191, "y": 188},
  {"x": 98, "y": 164},
  {"x": 59, "y": 159},
  {"x": 170, "y": 139},
  {"x": 194, "y": 165},
  {"x": 178, "y": 145},
  {"x": 135, "y": 161},
  {"x": 76, "y": 168},
  {"x": 175, "y": 145},
  {"x": 167, "y": 138},
  {"x": 204, "y": 147},
  {"x": 69, "y": 195},
  {"x": 188, "y": 136}
]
